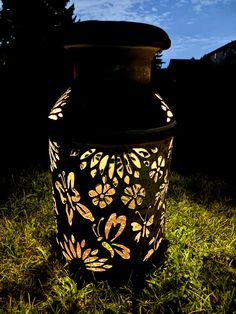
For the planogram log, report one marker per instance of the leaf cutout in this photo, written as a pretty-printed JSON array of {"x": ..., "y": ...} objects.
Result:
[
  {"x": 95, "y": 159},
  {"x": 135, "y": 160},
  {"x": 83, "y": 165},
  {"x": 142, "y": 152},
  {"x": 120, "y": 167},
  {"x": 127, "y": 180},
  {"x": 87, "y": 153},
  {"x": 56, "y": 111},
  {"x": 115, "y": 182},
  {"x": 84, "y": 212},
  {"x": 111, "y": 169},
  {"x": 103, "y": 163},
  {"x": 127, "y": 164},
  {"x": 93, "y": 173}
]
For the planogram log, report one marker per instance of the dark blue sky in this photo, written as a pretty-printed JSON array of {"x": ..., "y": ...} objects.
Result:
[{"x": 195, "y": 27}]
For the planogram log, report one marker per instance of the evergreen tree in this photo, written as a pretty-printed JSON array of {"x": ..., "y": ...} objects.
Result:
[
  {"x": 31, "y": 37},
  {"x": 39, "y": 24},
  {"x": 32, "y": 67}
]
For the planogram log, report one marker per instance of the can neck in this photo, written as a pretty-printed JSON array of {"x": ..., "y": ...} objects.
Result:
[{"x": 118, "y": 63}]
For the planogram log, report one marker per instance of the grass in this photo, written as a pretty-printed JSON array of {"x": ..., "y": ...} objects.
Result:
[{"x": 198, "y": 274}]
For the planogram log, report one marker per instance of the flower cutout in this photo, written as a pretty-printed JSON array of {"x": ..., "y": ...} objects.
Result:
[
  {"x": 102, "y": 195},
  {"x": 134, "y": 196},
  {"x": 157, "y": 168},
  {"x": 71, "y": 197},
  {"x": 72, "y": 249}
]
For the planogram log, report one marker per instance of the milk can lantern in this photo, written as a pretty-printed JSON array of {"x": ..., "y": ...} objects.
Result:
[{"x": 110, "y": 145}]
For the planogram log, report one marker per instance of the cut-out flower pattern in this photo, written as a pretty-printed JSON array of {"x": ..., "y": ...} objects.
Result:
[
  {"x": 164, "y": 107},
  {"x": 121, "y": 165},
  {"x": 142, "y": 229},
  {"x": 157, "y": 168},
  {"x": 71, "y": 197},
  {"x": 133, "y": 196},
  {"x": 107, "y": 242},
  {"x": 160, "y": 196},
  {"x": 156, "y": 241},
  {"x": 53, "y": 154},
  {"x": 56, "y": 111},
  {"x": 72, "y": 249},
  {"x": 102, "y": 195},
  {"x": 54, "y": 202},
  {"x": 170, "y": 148},
  {"x": 133, "y": 169}
]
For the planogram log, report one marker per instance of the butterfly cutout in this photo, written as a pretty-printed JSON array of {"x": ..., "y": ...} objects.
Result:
[
  {"x": 109, "y": 244},
  {"x": 142, "y": 229},
  {"x": 156, "y": 241}
]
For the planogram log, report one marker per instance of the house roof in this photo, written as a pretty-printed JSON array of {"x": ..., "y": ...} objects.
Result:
[{"x": 230, "y": 45}]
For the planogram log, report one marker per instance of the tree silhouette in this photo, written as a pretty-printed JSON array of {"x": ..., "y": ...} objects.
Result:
[
  {"x": 32, "y": 63},
  {"x": 31, "y": 37},
  {"x": 39, "y": 24},
  {"x": 157, "y": 61}
]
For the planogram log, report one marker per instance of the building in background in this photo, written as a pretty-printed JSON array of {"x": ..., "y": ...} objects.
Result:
[
  {"x": 222, "y": 55},
  {"x": 201, "y": 93}
]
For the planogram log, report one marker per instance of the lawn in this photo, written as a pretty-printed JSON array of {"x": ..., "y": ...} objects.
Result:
[{"x": 197, "y": 275}]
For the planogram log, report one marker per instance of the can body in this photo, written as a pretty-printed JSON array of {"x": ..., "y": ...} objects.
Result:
[
  {"x": 110, "y": 202},
  {"x": 110, "y": 146}
]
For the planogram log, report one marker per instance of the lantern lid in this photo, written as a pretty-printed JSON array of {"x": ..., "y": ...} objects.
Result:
[{"x": 114, "y": 33}]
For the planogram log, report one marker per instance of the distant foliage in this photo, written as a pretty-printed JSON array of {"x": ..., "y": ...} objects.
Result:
[
  {"x": 24, "y": 23},
  {"x": 31, "y": 32},
  {"x": 156, "y": 71},
  {"x": 32, "y": 65},
  {"x": 157, "y": 62}
]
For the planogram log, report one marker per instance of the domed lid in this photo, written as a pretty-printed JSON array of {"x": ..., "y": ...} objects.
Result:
[{"x": 113, "y": 33}]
